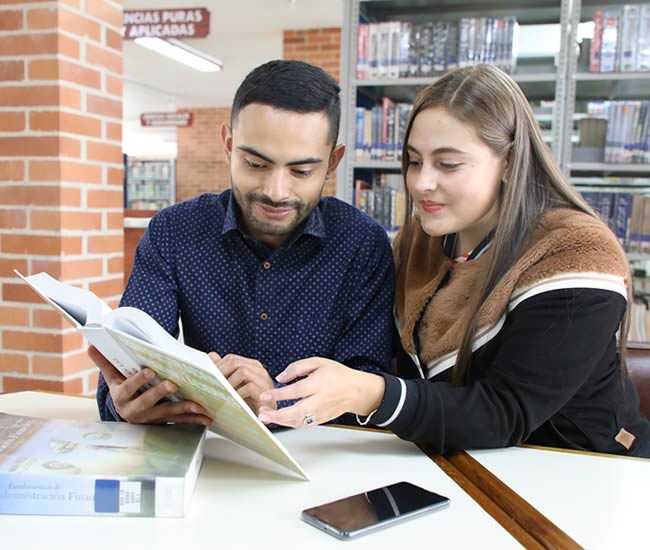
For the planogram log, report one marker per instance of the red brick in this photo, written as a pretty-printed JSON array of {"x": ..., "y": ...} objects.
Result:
[
  {"x": 69, "y": 46},
  {"x": 12, "y": 122},
  {"x": 42, "y": 18},
  {"x": 74, "y": 221},
  {"x": 56, "y": 121},
  {"x": 116, "y": 265},
  {"x": 66, "y": 365},
  {"x": 20, "y": 292},
  {"x": 7, "y": 267},
  {"x": 14, "y": 316},
  {"x": 12, "y": 70},
  {"x": 69, "y": 97},
  {"x": 29, "y": 146},
  {"x": 14, "y": 362},
  {"x": 12, "y": 170},
  {"x": 104, "y": 153},
  {"x": 12, "y": 384},
  {"x": 51, "y": 170},
  {"x": 28, "y": 44},
  {"x": 114, "y": 220},
  {"x": 104, "y": 106},
  {"x": 79, "y": 25},
  {"x": 27, "y": 96},
  {"x": 110, "y": 287},
  {"x": 113, "y": 131},
  {"x": 93, "y": 379},
  {"x": 12, "y": 219},
  {"x": 101, "y": 57},
  {"x": 105, "y": 198},
  {"x": 70, "y": 269},
  {"x": 113, "y": 40},
  {"x": 104, "y": 11},
  {"x": 41, "y": 245},
  {"x": 48, "y": 318},
  {"x": 40, "y": 341},
  {"x": 11, "y": 20},
  {"x": 105, "y": 244},
  {"x": 113, "y": 85},
  {"x": 40, "y": 196},
  {"x": 115, "y": 176},
  {"x": 69, "y": 147}
]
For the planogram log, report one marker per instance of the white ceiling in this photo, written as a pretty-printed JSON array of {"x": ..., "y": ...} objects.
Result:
[{"x": 243, "y": 34}]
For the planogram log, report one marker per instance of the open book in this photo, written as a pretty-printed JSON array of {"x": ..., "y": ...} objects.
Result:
[{"x": 130, "y": 339}]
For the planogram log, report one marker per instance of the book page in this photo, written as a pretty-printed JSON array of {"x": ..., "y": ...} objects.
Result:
[
  {"x": 233, "y": 418},
  {"x": 78, "y": 305}
]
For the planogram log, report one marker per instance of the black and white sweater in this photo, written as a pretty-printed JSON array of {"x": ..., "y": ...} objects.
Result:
[{"x": 544, "y": 368}]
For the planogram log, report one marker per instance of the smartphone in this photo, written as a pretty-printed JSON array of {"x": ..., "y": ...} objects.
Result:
[{"x": 366, "y": 512}]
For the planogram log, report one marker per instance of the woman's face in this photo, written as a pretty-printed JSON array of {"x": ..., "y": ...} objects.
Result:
[{"x": 453, "y": 177}]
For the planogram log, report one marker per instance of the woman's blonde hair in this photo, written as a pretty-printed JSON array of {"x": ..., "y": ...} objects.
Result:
[{"x": 490, "y": 101}]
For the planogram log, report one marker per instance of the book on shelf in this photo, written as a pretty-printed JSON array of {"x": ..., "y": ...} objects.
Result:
[
  {"x": 400, "y": 49},
  {"x": 65, "y": 467},
  {"x": 130, "y": 339},
  {"x": 380, "y": 131},
  {"x": 621, "y": 40},
  {"x": 383, "y": 200}
]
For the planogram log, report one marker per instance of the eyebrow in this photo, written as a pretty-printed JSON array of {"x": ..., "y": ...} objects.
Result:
[
  {"x": 308, "y": 160},
  {"x": 439, "y": 151}
]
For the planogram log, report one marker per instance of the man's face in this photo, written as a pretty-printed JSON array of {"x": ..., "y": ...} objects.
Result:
[{"x": 278, "y": 164}]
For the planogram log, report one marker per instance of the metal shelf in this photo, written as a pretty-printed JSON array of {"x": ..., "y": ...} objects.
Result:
[
  {"x": 377, "y": 164},
  {"x": 425, "y": 80},
  {"x": 645, "y": 75},
  {"x": 610, "y": 168}
]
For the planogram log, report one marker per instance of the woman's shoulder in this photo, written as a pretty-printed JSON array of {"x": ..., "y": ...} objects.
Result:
[{"x": 570, "y": 243}]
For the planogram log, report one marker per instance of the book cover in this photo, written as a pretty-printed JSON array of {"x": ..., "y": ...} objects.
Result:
[
  {"x": 65, "y": 467},
  {"x": 608, "y": 53},
  {"x": 130, "y": 339}
]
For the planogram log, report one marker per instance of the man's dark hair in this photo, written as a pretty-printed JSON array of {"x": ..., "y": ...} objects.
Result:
[{"x": 293, "y": 86}]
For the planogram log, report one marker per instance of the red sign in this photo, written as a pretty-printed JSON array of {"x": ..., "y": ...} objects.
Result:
[
  {"x": 180, "y": 119},
  {"x": 170, "y": 23}
]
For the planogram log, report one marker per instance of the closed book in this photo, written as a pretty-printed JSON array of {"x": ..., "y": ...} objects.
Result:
[{"x": 65, "y": 467}]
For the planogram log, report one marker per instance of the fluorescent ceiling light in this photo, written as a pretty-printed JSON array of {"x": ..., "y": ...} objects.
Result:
[{"x": 182, "y": 53}]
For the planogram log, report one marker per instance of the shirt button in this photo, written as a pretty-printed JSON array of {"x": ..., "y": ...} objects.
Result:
[
  {"x": 266, "y": 265},
  {"x": 264, "y": 316}
]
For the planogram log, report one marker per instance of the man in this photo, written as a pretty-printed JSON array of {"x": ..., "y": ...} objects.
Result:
[{"x": 266, "y": 273}]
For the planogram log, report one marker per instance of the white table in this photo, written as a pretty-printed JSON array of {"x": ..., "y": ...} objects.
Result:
[
  {"x": 601, "y": 501},
  {"x": 244, "y": 501}
]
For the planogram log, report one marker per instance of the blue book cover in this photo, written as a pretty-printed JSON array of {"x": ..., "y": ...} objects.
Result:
[{"x": 64, "y": 467}]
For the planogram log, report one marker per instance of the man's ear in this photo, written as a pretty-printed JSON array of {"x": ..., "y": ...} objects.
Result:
[
  {"x": 335, "y": 158},
  {"x": 226, "y": 136}
]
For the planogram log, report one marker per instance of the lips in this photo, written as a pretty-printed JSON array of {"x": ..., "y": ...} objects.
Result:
[
  {"x": 432, "y": 207},
  {"x": 273, "y": 213}
]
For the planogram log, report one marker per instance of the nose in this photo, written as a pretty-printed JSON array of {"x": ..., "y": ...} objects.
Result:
[
  {"x": 277, "y": 185},
  {"x": 425, "y": 180}
]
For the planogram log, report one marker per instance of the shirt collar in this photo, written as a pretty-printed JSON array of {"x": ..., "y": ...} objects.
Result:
[
  {"x": 449, "y": 243},
  {"x": 313, "y": 225}
]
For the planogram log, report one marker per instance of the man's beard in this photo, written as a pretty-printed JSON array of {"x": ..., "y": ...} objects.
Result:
[{"x": 247, "y": 201}]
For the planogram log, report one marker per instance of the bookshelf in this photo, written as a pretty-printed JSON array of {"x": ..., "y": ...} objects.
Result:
[
  {"x": 541, "y": 79},
  {"x": 561, "y": 89}
]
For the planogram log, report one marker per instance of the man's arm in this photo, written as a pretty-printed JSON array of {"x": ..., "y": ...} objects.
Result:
[{"x": 366, "y": 343}]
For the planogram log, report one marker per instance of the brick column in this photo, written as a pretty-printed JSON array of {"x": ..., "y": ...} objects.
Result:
[
  {"x": 200, "y": 162},
  {"x": 320, "y": 47},
  {"x": 60, "y": 179}
]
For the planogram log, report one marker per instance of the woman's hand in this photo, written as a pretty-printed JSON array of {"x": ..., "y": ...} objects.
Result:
[{"x": 328, "y": 390}]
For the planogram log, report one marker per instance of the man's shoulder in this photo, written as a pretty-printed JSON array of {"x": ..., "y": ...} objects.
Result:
[{"x": 195, "y": 212}]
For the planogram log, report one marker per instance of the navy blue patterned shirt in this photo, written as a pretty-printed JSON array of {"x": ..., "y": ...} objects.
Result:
[{"x": 328, "y": 292}]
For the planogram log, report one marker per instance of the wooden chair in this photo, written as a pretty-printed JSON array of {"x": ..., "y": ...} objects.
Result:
[{"x": 638, "y": 364}]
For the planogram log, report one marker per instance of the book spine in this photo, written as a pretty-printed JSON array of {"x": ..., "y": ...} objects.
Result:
[
  {"x": 76, "y": 495},
  {"x": 362, "y": 52},
  {"x": 596, "y": 43},
  {"x": 643, "y": 44},
  {"x": 609, "y": 41}
]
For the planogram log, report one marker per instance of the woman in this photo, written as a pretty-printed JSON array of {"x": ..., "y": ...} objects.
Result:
[{"x": 510, "y": 293}]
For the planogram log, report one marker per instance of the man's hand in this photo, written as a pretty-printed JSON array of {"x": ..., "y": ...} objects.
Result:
[
  {"x": 145, "y": 407},
  {"x": 248, "y": 376}
]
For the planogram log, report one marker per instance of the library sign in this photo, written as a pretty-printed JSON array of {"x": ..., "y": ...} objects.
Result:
[
  {"x": 169, "y": 23},
  {"x": 179, "y": 119}
]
